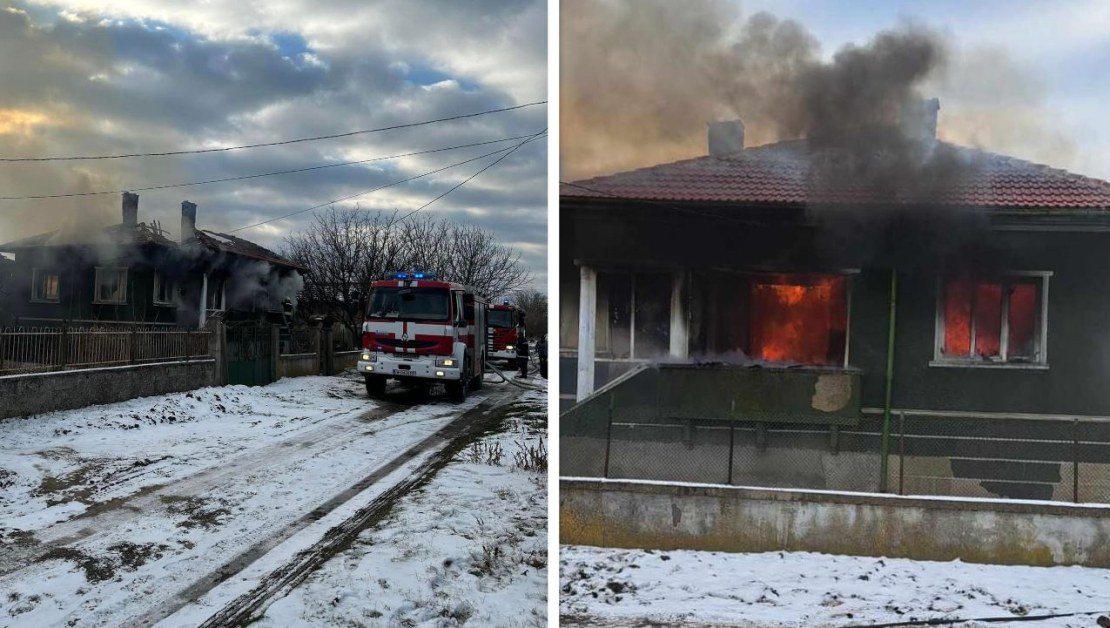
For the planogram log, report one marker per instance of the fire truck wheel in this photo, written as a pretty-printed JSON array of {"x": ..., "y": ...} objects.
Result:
[
  {"x": 476, "y": 383},
  {"x": 375, "y": 385},
  {"x": 456, "y": 391}
]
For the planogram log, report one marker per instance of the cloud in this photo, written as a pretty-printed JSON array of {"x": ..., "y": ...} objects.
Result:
[{"x": 145, "y": 76}]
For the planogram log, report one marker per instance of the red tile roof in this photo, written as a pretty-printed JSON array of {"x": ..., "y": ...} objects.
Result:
[{"x": 782, "y": 174}]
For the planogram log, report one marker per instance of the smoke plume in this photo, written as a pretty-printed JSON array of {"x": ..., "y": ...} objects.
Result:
[{"x": 640, "y": 80}]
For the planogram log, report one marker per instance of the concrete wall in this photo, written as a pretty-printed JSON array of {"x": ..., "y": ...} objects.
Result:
[
  {"x": 342, "y": 360},
  {"x": 298, "y": 364},
  {"x": 675, "y": 516},
  {"x": 23, "y": 395}
]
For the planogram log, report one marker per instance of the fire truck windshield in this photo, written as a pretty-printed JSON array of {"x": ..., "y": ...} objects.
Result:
[
  {"x": 500, "y": 318},
  {"x": 429, "y": 304}
]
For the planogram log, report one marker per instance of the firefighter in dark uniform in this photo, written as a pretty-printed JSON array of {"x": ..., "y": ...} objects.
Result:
[
  {"x": 541, "y": 352},
  {"x": 522, "y": 352}
]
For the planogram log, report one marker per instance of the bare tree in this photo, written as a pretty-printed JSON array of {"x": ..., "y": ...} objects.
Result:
[
  {"x": 344, "y": 250},
  {"x": 534, "y": 304}
]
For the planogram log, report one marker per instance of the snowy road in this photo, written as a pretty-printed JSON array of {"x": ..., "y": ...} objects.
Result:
[{"x": 125, "y": 513}]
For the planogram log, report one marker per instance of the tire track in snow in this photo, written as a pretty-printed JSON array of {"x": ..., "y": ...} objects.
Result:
[{"x": 445, "y": 444}]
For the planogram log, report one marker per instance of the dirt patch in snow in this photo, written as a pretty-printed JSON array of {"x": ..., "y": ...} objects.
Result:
[
  {"x": 121, "y": 556},
  {"x": 197, "y": 512}
]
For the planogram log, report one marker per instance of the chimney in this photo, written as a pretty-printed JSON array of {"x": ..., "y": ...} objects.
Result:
[
  {"x": 726, "y": 138},
  {"x": 188, "y": 220},
  {"x": 919, "y": 119},
  {"x": 130, "y": 209}
]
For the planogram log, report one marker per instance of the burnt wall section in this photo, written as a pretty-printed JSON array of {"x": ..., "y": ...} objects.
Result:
[
  {"x": 25, "y": 395},
  {"x": 640, "y": 515}
]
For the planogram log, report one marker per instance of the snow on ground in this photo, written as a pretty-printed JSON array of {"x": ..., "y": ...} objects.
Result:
[
  {"x": 54, "y": 466},
  {"x": 613, "y": 587},
  {"x": 468, "y": 547},
  {"x": 108, "y": 513}
]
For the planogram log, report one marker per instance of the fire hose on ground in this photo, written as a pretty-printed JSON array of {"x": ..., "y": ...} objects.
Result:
[{"x": 514, "y": 382}]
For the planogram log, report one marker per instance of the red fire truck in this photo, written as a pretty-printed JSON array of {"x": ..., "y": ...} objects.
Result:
[
  {"x": 505, "y": 321},
  {"x": 419, "y": 329}
]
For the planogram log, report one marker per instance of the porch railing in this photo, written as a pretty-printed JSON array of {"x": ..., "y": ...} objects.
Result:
[{"x": 45, "y": 349}]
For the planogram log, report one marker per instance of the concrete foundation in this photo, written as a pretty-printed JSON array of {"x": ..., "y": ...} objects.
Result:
[{"x": 736, "y": 519}]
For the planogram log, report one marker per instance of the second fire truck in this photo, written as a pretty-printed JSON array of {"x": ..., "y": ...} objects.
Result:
[
  {"x": 419, "y": 329},
  {"x": 505, "y": 330}
]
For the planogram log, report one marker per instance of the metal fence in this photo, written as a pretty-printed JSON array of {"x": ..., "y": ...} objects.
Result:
[
  {"x": 1066, "y": 460},
  {"x": 300, "y": 340},
  {"x": 45, "y": 349}
]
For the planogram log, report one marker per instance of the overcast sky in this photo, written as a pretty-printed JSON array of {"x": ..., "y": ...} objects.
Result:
[{"x": 83, "y": 77}]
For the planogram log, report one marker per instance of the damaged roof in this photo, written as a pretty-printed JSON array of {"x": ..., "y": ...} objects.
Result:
[
  {"x": 789, "y": 173},
  {"x": 140, "y": 233},
  {"x": 225, "y": 243}
]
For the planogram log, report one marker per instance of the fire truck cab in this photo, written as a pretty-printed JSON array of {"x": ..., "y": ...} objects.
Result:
[
  {"x": 419, "y": 329},
  {"x": 505, "y": 322}
]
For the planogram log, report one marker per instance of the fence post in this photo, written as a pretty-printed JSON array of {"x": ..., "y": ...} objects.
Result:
[
  {"x": 132, "y": 344},
  {"x": 2, "y": 351},
  {"x": 731, "y": 441},
  {"x": 1075, "y": 460},
  {"x": 63, "y": 348},
  {"x": 188, "y": 343},
  {"x": 275, "y": 351},
  {"x": 608, "y": 436},
  {"x": 901, "y": 453}
]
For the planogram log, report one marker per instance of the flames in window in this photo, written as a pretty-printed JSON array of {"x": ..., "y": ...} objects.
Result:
[
  {"x": 979, "y": 315},
  {"x": 800, "y": 319}
]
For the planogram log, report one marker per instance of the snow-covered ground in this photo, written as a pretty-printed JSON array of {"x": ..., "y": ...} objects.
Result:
[
  {"x": 126, "y": 511},
  {"x": 616, "y": 587},
  {"x": 468, "y": 547}
]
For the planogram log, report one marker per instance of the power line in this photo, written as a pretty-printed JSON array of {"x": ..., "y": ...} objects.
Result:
[
  {"x": 264, "y": 174},
  {"x": 467, "y": 180},
  {"x": 381, "y": 187},
  {"x": 280, "y": 143}
]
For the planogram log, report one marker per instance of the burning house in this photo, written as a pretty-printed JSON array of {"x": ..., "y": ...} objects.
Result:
[
  {"x": 836, "y": 288},
  {"x": 134, "y": 273}
]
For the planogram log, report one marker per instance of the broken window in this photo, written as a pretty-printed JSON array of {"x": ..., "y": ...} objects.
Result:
[
  {"x": 998, "y": 320},
  {"x": 45, "y": 285},
  {"x": 633, "y": 315},
  {"x": 163, "y": 290},
  {"x": 799, "y": 319},
  {"x": 111, "y": 285},
  {"x": 214, "y": 300}
]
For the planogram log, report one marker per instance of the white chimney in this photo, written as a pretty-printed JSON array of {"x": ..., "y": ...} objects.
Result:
[{"x": 188, "y": 220}]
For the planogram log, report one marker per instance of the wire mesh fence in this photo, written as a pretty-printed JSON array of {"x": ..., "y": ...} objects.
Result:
[
  {"x": 1064, "y": 460},
  {"x": 45, "y": 349}
]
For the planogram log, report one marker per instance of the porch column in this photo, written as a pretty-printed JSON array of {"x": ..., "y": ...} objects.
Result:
[
  {"x": 587, "y": 332},
  {"x": 201, "y": 318},
  {"x": 680, "y": 340}
]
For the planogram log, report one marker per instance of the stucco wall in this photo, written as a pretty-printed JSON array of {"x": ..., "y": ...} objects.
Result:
[
  {"x": 22, "y": 395},
  {"x": 298, "y": 364},
  {"x": 736, "y": 519}
]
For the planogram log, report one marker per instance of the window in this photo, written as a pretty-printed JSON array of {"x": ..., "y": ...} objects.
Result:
[
  {"x": 163, "y": 290},
  {"x": 46, "y": 285},
  {"x": 431, "y": 304},
  {"x": 111, "y": 285},
  {"x": 799, "y": 319},
  {"x": 991, "y": 322},
  {"x": 215, "y": 299}
]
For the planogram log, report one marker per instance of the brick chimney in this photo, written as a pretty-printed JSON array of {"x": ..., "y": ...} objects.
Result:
[
  {"x": 130, "y": 209},
  {"x": 188, "y": 220},
  {"x": 726, "y": 138}
]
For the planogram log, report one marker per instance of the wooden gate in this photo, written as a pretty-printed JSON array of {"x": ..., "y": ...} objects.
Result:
[{"x": 249, "y": 353}]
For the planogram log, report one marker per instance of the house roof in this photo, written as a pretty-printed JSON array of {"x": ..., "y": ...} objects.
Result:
[
  {"x": 231, "y": 244},
  {"x": 141, "y": 233},
  {"x": 783, "y": 174}
]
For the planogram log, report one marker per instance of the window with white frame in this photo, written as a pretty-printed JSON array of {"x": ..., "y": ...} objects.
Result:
[
  {"x": 982, "y": 322},
  {"x": 163, "y": 289},
  {"x": 45, "y": 285},
  {"x": 111, "y": 285}
]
